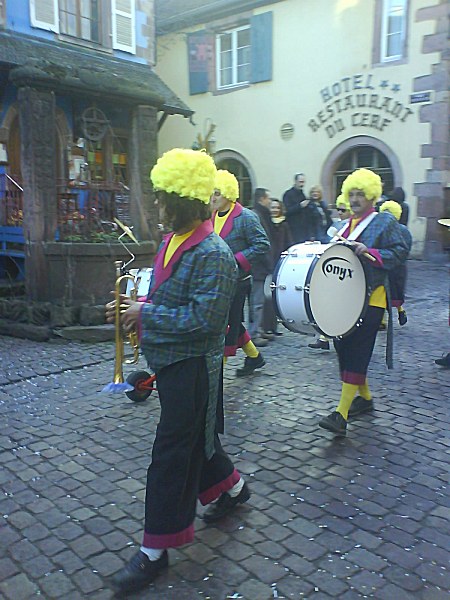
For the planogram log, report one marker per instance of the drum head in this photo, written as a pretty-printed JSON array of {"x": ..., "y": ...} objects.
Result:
[
  {"x": 142, "y": 279},
  {"x": 338, "y": 294}
]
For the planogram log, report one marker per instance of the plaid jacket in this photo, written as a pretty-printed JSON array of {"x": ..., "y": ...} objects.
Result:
[
  {"x": 246, "y": 237},
  {"x": 187, "y": 312},
  {"x": 387, "y": 242},
  {"x": 384, "y": 235}
]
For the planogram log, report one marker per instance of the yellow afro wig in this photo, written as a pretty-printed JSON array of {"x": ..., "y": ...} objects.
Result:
[
  {"x": 341, "y": 199},
  {"x": 188, "y": 173},
  {"x": 392, "y": 207},
  {"x": 365, "y": 180},
  {"x": 227, "y": 184}
]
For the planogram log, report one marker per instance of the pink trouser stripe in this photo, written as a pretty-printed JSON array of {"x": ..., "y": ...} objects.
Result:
[
  {"x": 223, "y": 486},
  {"x": 243, "y": 339},
  {"x": 169, "y": 540},
  {"x": 353, "y": 378},
  {"x": 230, "y": 350}
]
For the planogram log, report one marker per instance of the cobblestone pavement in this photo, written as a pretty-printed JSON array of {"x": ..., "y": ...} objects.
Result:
[{"x": 361, "y": 517}]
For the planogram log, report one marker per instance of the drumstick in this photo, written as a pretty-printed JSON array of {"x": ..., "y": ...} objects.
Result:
[{"x": 366, "y": 254}]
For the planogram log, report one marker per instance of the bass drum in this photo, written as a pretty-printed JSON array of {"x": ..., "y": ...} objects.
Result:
[
  {"x": 320, "y": 288},
  {"x": 142, "y": 279}
]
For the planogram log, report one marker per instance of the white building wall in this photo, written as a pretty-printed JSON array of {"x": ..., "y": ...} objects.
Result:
[{"x": 316, "y": 43}]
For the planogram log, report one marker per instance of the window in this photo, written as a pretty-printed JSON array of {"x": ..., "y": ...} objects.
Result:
[
  {"x": 222, "y": 60},
  {"x": 233, "y": 57},
  {"x": 80, "y": 18},
  {"x": 393, "y": 30}
]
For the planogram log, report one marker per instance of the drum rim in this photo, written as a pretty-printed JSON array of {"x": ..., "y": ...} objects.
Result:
[
  {"x": 306, "y": 295},
  {"x": 275, "y": 304}
]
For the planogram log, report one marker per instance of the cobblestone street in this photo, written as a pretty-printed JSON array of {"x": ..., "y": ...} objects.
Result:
[{"x": 366, "y": 516}]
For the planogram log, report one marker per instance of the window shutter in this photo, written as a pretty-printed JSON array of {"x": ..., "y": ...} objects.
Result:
[
  {"x": 44, "y": 14},
  {"x": 200, "y": 55},
  {"x": 261, "y": 47},
  {"x": 124, "y": 25}
]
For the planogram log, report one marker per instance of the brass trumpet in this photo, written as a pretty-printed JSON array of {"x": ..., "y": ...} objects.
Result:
[{"x": 119, "y": 385}]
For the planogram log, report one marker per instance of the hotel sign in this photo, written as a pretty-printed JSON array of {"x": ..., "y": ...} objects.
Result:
[{"x": 358, "y": 101}]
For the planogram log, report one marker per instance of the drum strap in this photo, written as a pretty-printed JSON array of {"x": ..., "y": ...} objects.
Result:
[{"x": 354, "y": 235}]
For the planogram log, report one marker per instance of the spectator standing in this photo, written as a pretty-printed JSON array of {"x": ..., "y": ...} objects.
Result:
[
  {"x": 398, "y": 195},
  {"x": 281, "y": 241},
  {"x": 262, "y": 266},
  {"x": 299, "y": 211},
  {"x": 322, "y": 215}
]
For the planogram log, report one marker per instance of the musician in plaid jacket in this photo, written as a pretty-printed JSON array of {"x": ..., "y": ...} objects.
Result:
[
  {"x": 182, "y": 330},
  {"x": 241, "y": 229},
  {"x": 381, "y": 239}
]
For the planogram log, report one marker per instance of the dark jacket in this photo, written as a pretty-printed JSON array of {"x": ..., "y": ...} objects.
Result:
[
  {"x": 300, "y": 220},
  {"x": 322, "y": 221},
  {"x": 281, "y": 240},
  {"x": 262, "y": 266},
  {"x": 399, "y": 196}
]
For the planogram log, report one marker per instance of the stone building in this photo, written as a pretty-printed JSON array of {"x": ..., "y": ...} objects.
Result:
[
  {"x": 80, "y": 110},
  {"x": 320, "y": 87}
]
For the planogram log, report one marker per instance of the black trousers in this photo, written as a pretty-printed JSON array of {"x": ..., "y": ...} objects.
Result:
[
  {"x": 355, "y": 350},
  {"x": 179, "y": 472}
]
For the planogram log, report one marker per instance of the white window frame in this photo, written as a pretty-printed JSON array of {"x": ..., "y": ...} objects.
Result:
[
  {"x": 128, "y": 15},
  {"x": 234, "y": 64},
  {"x": 388, "y": 11},
  {"x": 35, "y": 22}
]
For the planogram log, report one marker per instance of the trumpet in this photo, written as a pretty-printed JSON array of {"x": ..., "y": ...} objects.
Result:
[{"x": 119, "y": 385}]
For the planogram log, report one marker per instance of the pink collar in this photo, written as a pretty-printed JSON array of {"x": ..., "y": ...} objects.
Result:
[
  {"x": 160, "y": 272},
  {"x": 228, "y": 226}
]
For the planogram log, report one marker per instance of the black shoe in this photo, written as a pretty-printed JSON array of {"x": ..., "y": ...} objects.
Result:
[
  {"x": 444, "y": 361},
  {"x": 250, "y": 365},
  {"x": 225, "y": 504},
  {"x": 335, "y": 423},
  {"x": 360, "y": 406},
  {"x": 268, "y": 335},
  {"x": 322, "y": 344},
  {"x": 382, "y": 327},
  {"x": 139, "y": 572},
  {"x": 402, "y": 317}
]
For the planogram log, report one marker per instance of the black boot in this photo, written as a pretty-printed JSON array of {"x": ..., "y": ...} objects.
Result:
[
  {"x": 225, "y": 504},
  {"x": 444, "y": 361},
  {"x": 250, "y": 364},
  {"x": 139, "y": 572}
]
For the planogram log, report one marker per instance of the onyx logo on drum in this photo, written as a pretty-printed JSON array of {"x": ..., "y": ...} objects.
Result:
[{"x": 331, "y": 268}]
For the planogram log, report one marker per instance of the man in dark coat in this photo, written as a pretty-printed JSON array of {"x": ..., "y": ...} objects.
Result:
[
  {"x": 262, "y": 266},
  {"x": 299, "y": 211}
]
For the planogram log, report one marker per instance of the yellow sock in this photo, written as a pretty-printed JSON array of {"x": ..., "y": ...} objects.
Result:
[
  {"x": 347, "y": 394},
  {"x": 250, "y": 349},
  {"x": 400, "y": 309},
  {"x": 225, "y": 358},
  {"x": 364, "y": 391}
]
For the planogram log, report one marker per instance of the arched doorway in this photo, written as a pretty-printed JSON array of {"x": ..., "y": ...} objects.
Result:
[
  {"x": 356, "y": 153},
  {"x": 236, "y": 164}
]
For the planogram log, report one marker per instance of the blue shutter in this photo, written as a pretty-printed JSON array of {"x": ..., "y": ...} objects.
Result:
[
  {"x": 200, "y": 52},
  {"x": 261, "y": 47}
]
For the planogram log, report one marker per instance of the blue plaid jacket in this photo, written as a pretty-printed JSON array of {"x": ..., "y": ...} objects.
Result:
[
  {"x": 188, "y": 316},
  {"x": 385, "y": 235},
  {"x": 246, "y": 238}
]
